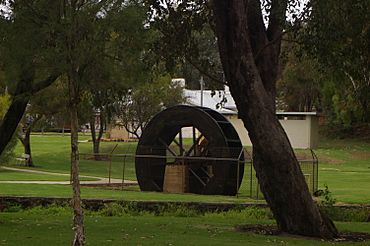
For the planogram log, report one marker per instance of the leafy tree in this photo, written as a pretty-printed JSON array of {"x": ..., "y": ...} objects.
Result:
[
  {"x": 249, "y": 47},
  {"x": 337, "y": 35},
  {"x": 43, "y": 39},
  {"x": 299, "y": 88},
  {"x": 140, "y": 104},
  {"x": 89, "y": 30},
  {"x": 25, "y": 60}
]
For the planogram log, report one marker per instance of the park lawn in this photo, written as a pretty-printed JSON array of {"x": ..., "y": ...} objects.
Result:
[
  {"x": 52, "y": 153},
  {"x": 10, "y": 175},
  {"x": 344, "y": 164},
  {"x": 345, "y": 168},
  {"x": 128, "y": 194},
  {"x": 24, "y": 228}
]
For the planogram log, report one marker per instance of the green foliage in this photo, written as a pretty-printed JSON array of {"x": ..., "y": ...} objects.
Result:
[
  {"x": 337, "y": 35},
  {"x": 248, "y": 213},
  {"x": 349, "y": 214},
  {"x": 52, "y": 209},
  {"x": 327, "y": 200},
  {"x": 178, "y": 211},
  {"x": 4, "y": 104},
  {"x": 117, "y": 209},
  {"x": 299, "y": 87},
  {"x": 132, "y": 210}
]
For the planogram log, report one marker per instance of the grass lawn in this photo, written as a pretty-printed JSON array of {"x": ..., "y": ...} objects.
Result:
[
  {"x": 344, "y": 167},
  {"x": 130, "y": 193},
  {"x": 54, "y": 228},
  {"x": 10, "y": 175}
]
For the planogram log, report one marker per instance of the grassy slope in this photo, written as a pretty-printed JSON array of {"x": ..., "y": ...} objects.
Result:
[
  {"x": 21, "y": 228},
  {"x": 344, "y": 166}
]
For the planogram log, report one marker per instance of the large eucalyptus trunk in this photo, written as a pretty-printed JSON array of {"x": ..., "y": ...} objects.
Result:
[
  {"x": 78, "y": 219},
  {"x": 250, "y": 58}
]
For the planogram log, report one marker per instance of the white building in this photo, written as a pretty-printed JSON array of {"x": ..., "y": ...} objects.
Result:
[{"x": 301, "y": 127}]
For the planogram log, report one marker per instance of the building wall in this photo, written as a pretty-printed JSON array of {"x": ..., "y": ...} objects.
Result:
[
  {"x": 118, "y": 133},
  {"x": 302, "y": 131}
]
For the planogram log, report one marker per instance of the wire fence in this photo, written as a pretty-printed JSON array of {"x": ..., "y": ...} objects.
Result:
[{"x": 119, "y": 168}]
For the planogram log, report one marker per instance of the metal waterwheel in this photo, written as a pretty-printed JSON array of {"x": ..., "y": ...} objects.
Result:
[{"x": 212, "y": 155}]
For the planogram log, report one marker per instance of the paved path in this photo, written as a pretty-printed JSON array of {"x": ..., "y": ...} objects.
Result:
[{"x": 99, "y": 180}]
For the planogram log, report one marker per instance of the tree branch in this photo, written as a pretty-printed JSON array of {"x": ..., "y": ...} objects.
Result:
[
  {"x": 277, "y": 39},
  {"x": 44, "y": 83},
  {"x": 276, "y": 18},
  {"x": 204, "y": 72}
]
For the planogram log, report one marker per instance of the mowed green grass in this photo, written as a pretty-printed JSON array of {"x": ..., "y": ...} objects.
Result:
[
  {"x": 23, "y": 228},
  {"x": 10, "y": 175},
  {"x": 344, "y": 167},
  {"x": 128, "y": 194}
]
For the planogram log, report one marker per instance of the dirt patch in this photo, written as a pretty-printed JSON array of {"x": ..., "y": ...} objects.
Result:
[
  {"x": 259, "y": 229},
  {"x": 360, "y": 155},
  {"x": 330, "y": 160},
  {"x": 271, "y": 230}
]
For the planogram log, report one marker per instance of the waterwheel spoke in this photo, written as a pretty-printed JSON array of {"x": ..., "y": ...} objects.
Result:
[
  {"x": 204, "y": 151},
  {"x": 180, "y": 144},
  {"x": 205, "y": 172},
  {"x": 197, "y": 177},
  {"x": 167, "y": 147},
  {"x": 193, "y": 147}
]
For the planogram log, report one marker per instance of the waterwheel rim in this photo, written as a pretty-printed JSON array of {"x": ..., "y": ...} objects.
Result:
[{"x": 153, "y": 151}]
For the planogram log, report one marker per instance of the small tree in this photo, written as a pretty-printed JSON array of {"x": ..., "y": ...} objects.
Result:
[{"x": 140, "y": 104}]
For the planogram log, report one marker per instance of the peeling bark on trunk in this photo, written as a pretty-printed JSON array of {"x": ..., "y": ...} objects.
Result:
[
  {"x": 78, "y": 219},
  {"x": 279, "y": 174}
]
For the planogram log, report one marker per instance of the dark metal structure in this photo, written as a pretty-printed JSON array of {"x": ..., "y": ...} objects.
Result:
[{"x": 213, "y": 155}]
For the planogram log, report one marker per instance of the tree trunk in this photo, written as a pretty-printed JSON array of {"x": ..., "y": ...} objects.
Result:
[
  {"x": 26, "y": 86},
  {"x": 27, "y": 146},
  {"x": 279, "y": 174},
  {"x": 96, "y": 139},
  {"x": 26, "y": 141},
  {"x": 78, "y": 219},
  {"x": 11, "y": 119}
]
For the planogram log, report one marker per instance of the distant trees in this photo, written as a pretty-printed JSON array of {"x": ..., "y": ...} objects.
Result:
[
  {"x": 326, "y": 67},
  {"x": 299, "y": 88},
  {"x": 337, "y": 36}
]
